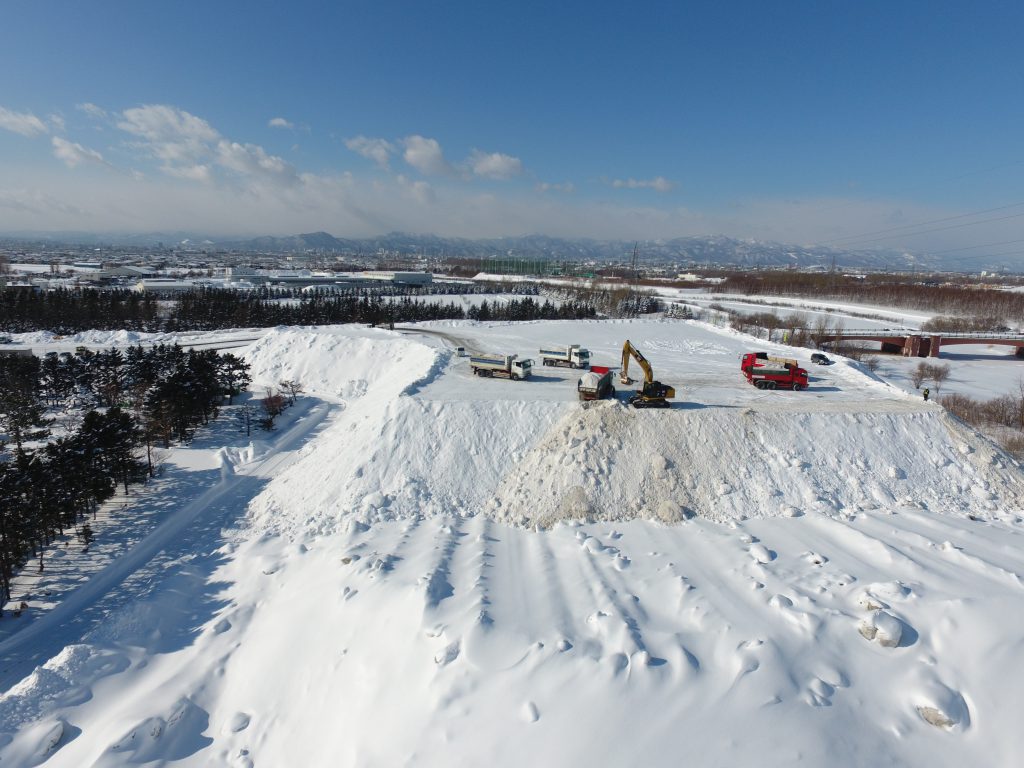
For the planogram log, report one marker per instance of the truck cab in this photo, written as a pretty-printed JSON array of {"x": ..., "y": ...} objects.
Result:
[{"x": 522, "y": 369}]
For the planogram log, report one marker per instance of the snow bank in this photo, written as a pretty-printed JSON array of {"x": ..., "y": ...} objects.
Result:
[
  {"x": 339, "y": 363},
  {"x": 535, "y": 463}
]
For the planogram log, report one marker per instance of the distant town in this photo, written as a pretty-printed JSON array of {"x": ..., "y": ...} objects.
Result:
[{"x": 168, "y": 269}]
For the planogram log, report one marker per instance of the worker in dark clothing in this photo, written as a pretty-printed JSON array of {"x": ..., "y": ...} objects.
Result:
[{"x": 926, "y": 393}]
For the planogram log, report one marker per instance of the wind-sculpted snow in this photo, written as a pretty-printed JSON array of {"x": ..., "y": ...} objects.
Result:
[{"x": 427, "y": 568}]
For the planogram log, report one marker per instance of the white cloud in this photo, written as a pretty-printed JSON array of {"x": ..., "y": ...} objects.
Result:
[
  {"x": 199, "y": 172},
  {"x": 253, "y": 160},
  {"x": 420, "y": 190},
  {"x": 425, "y": 156},
  {"x": 57, "y": 121},
  {"x": 494, "y": 165},
  {"x": 181, "y": 141},
  {"x": 378, "y": 150},
  {"x": 658, "y": 184},
  {"x": 24, "y": 123},
  {"x": 36, "y": 203},
  {"x": 280, "y": 122},
  {"x": 74, "y": 154},
  {"x": 92, "y": 110},
  {"x": 244, "y": 189},
  {"x": 53, "y": 198},
  {"x": 188, "y": 147},
  {"x": 567, "y": 187}
]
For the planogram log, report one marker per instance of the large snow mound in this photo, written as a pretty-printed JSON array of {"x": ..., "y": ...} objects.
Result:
[
  {"x": 402, "y": 620},
  {"x": 609, "y": 462},
  {"x": 535, "y": 463},
  {"x": 340, "y": 362}
]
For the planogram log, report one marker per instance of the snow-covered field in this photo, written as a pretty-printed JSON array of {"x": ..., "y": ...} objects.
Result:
[{"x": 425, "y": 568}]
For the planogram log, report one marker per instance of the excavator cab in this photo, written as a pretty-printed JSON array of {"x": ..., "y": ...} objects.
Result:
[{"x": 652, "y": 394}]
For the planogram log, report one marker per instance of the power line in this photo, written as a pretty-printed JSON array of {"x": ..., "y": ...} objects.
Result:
[
  {"x": 925, "y": 223},
  {"x": 971, "y": 247},
  {"x": 943, "y": 229}
]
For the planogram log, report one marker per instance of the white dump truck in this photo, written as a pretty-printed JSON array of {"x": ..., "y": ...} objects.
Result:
[
  {"x": 572, "y": 356},
  {"x": 509, "y": 366}
]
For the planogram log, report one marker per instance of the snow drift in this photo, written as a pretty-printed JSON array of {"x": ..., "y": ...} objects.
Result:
[{"x": 425, "y": 568}]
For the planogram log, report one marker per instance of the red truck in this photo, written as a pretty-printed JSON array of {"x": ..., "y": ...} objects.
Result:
[
  {"x": 596, "y": 384},
  {"x": 766, "y": 372}
]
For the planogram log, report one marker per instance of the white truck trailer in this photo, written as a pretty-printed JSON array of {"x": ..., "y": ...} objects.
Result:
[
  {"x": 508, "y": 366},
  {"x": 572, "y": 356}
]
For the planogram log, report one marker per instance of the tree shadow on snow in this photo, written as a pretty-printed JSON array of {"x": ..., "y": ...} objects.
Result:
[{"x": 163, "y": 603}]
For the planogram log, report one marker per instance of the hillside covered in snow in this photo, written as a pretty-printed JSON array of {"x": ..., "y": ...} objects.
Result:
[{"x": 428, "y": 568}]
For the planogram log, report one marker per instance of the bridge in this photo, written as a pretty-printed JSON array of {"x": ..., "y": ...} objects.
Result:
[{"x": 920, "y": 344}]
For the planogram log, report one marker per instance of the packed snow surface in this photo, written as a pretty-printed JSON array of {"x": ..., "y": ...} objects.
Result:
[{"x": 425, "y": 567}]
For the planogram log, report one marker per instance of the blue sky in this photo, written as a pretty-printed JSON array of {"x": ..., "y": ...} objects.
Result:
[{"x": 796, "y": 121}]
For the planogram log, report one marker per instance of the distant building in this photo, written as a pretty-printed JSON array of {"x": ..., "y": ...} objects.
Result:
[
  {"x": 164, "y": 285},
  {"x": 115, "y": 271},
  {"x": 399, "y": 278}
]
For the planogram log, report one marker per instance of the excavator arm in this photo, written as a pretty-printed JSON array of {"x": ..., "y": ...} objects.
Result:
[
  {"x": 653, "y": 394},
  {"x": 628, "y": 351}
]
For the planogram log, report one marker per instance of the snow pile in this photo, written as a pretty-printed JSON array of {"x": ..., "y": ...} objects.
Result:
[
  {"x": 841, "y": 575},
  {"x": 383, "y": 460},
  {"x": 339, "y": 363},
  {"x": 609, "y": 462},
  {"x": 534, "y": 463}
]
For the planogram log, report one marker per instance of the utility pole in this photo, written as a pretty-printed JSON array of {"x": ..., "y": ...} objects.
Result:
[{"x": 632, "y": 287}]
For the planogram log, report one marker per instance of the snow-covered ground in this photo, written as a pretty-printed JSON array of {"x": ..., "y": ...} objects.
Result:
[
  {"x": 422, "y": 567},
  {"x": 836, "y": 313}
]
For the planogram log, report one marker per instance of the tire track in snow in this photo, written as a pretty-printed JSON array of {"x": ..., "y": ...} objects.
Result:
[{"x": 610, "y": 597}]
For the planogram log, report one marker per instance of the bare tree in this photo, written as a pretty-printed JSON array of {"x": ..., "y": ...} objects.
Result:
[
  {"x": 939, "y": 375},
  {"x": 273, "y": 406},
  {"x": 246, "y": 416},
  {"x": 819, "y": 331},
  {"x": 293, "y": 388},
  {"x": 1020, "y": 404},
  {"x": 919, "y": 374}
]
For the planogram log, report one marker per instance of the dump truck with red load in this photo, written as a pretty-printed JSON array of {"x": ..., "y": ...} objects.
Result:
[
  {"x": 766, "y": 372},
  {"x": 596, "y": 384}
]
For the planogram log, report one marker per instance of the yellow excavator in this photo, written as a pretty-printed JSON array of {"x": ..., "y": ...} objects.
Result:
[{"x": 653, "y": 394}]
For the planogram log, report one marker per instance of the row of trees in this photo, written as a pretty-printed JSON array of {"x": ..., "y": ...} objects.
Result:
[
  {"x": 529, "y": 309},
  {"x": 946, "y": 324},
  {"x": 170, "y": 389},
  {"x": 623, "y": 301},
  {"x": 117, "y": 407},
  {"x": 909, "y": 292},
  {"x": 68, "y": 311},
  {"x": 1003, "y": 416}
]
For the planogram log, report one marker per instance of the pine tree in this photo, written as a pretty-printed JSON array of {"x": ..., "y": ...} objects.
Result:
[{"x": 21, "y": 407}]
